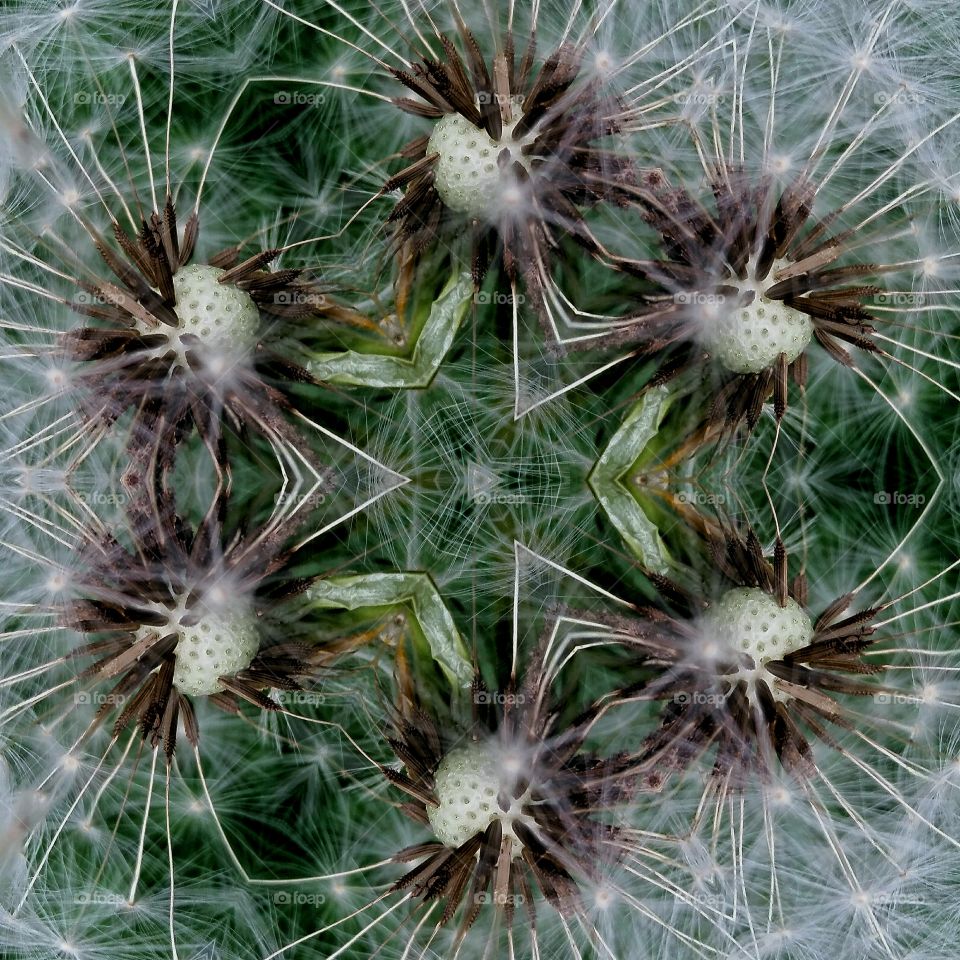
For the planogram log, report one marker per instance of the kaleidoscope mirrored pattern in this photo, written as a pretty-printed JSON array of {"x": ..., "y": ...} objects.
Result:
[{"x": 479, "y": 480}]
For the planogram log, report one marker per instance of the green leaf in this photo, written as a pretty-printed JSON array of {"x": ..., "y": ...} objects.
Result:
[
  {"x": 377, "y": 370},
  {"x": 609, "y": 486},
  {"x": 418, "y": 592}
]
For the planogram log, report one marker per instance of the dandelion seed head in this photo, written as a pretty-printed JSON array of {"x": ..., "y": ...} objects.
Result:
[
  {"x": 750, "y": 337},
  {"x": 468, "y": 784},
  {"x": 470, "y": 172},
  {"x": 210, "y": 648},
  {"x": 222, "y": 316},
  {"x": 217, "y": 635},
  {"x": 749, "y": 621}
]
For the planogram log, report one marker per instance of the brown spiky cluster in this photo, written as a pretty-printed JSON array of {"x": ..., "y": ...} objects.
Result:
[
  {"x": 750, "y": 714},
  {"x": 132, "y": 603},
  {"x": 557, "y": 119},
  {"x": 129, "y": 360},
  {"x": 749, "y": 232},
  {"x": 552, "y": 794}
]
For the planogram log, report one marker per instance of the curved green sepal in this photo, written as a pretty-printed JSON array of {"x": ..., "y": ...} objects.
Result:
[
  {"x": 414, "y": 590},
  {"x": 377, "y": 370},
  {"x": 608, "y": 483}
]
